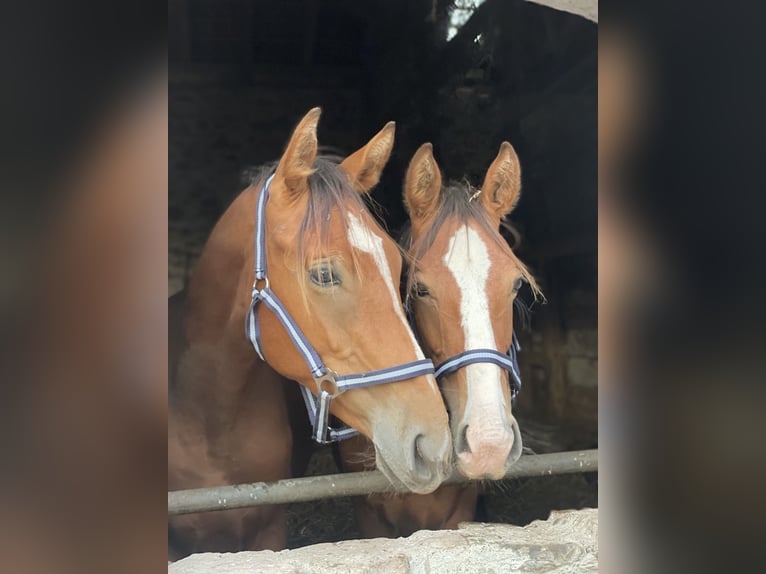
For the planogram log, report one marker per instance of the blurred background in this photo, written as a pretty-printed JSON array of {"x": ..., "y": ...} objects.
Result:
[
  {"x": 681, "y": 310},
  {"x": 83, "y": 242},
  {"x": 464, "y": 75}
]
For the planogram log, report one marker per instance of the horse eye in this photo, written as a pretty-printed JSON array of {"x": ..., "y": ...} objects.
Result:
[
  {"x": 421, "y": 290},
  {"x": 517, "y": 284},
  {"x": 324, "y": 277}
]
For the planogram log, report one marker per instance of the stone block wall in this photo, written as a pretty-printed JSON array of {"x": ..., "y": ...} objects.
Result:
[
  {"x": 559, "y": 360},
  {"x": 566, "y": 542}
]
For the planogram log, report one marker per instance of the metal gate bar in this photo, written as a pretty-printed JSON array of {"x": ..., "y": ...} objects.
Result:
[{"x": 353, "y": 484}]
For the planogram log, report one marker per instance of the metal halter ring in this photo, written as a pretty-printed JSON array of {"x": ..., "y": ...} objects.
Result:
[
  {"x": 328, "y": 384},
  {"x": 255, "y": 284}
]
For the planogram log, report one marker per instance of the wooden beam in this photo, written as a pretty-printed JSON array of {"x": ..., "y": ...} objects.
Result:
[{"x": 586, "y": 8}]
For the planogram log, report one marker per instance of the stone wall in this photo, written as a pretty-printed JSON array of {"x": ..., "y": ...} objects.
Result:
[
  {"x": 566, "y": 542},
  {"x": 559, "y": 357}
]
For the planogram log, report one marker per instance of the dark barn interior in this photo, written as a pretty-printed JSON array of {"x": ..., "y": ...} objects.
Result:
[{"x": 463, "y": 75}]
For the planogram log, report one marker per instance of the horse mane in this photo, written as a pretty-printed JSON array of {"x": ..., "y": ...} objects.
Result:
[
  {"x": 331, "y": 190},
  {"x": 455, "y": 201}
]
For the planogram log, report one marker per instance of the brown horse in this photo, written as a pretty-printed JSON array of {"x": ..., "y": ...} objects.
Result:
[
  {"x": 334, "y": 271},
  {"x": 462, "y": 286}
]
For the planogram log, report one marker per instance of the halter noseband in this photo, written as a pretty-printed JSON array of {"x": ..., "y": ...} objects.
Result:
[
  {"x": 507, "y": 361},
  {"x": 329, "y": 384}
]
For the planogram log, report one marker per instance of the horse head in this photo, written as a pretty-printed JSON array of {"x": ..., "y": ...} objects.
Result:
[
  {"x": 337, "y": 273},
  {"x": 462, "y": 286}
]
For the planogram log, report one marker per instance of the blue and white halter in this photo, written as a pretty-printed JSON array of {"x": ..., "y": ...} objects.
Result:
[
  {"x": 329, "y": 384},
  {"x": 507, "y": 361}
]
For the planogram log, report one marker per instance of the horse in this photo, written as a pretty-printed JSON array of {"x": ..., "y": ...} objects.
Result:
[
  {"x": 461, "y": 288},
  {"x": 317, "y": 314}
]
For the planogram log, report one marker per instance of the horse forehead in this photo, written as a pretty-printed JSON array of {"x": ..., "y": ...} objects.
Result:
[
  {"x": 365, "y": 238},
  {"x": 465, "y": 249},
  {"x": 466, "y": 252},
  {"x": 469, "y": 258}
]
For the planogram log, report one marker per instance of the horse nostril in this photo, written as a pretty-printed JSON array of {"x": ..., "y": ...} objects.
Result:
[
  {"x": 422, "y": 468},
  {"x": 431, "y": 457},
  {"x": 462, "y": 441}
]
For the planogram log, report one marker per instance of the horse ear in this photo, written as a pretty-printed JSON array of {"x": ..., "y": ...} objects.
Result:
[
  {"x": 502, "y": 185},
  {"x": 422, "y": 184},
  {"x": 365, "y": 165},
  {"x": 297, "y": 162}
]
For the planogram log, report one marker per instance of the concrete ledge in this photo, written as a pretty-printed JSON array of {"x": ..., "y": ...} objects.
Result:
[{"x": 565, "y": 543}]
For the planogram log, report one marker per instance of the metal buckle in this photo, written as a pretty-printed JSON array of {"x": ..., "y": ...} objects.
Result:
[
  {"x": 265, "y": 281},
  {"x": 327, "y": 384}
]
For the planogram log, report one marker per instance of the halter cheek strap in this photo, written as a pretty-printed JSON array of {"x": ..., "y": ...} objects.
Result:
[{"x": 329, "y": 384}]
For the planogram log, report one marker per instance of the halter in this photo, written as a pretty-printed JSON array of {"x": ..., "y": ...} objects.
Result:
[
  {"x": 329, "y": 383},
  {"x": 507, "y": 361}
]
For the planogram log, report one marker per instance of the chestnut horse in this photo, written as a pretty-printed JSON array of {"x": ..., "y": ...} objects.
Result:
[
  {"x": 461, "y": 289},
  {"x": 332, "y": 271}
]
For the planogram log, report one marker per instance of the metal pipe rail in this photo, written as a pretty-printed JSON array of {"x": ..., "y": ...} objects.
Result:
[{"x": 353, "y": 484}]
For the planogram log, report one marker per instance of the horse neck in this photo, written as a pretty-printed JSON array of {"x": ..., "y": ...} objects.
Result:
[
  {"x": 222, "y": 277},
  {"x": 217, "y": 302}
]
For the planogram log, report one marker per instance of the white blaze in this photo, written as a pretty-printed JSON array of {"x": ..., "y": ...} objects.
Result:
[
  {"x": 468, "y": 260},
  {"x": 362, "y": 238}
]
